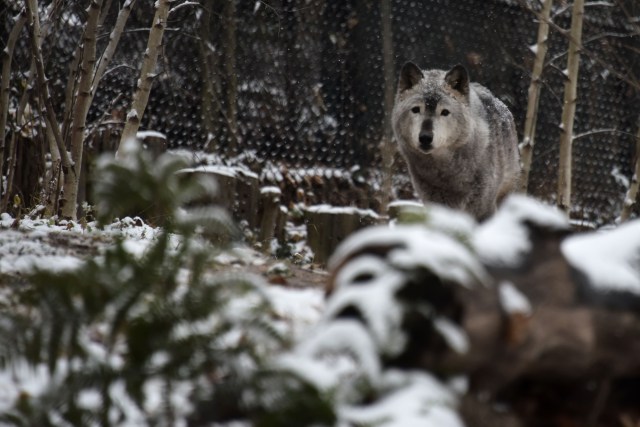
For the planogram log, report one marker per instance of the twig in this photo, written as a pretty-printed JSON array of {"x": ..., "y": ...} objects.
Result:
[
  {"x": 597, "y": 131},
  {"x": 185, "y": 4}
]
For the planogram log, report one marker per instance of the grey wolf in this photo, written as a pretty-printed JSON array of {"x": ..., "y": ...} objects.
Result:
[{"x": 459, "y": 141}]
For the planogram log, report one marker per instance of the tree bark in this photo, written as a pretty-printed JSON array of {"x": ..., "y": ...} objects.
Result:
[
  {"x": 80, "y": 111},
  {"x": 526, "y": 152},
  {"x": 569, "y": 107},
  {"x": 7, "y": 54},
  {"x": 141, "y": 96}
]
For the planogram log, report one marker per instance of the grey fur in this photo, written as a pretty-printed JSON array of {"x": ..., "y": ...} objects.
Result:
[{"x": 459, "y": 141}]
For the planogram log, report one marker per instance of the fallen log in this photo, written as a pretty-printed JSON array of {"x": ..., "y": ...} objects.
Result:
[{"x": 520, "y": 321}]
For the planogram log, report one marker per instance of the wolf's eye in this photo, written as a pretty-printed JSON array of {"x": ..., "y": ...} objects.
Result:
[
  {"x": 415, "y": 110},
  {"x": 444, "y": 112}
]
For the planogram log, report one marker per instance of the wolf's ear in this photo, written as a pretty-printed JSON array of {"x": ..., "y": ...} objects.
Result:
[
  {"x": 410, "y": 75},
  {"x": 458, "y": 79}
]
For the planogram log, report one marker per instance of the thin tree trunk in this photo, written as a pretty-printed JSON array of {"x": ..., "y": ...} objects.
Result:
[
  {"x": 209, "y": 106},
  {"x": 387, "y": 149},
  {"x": 22, "y": 105},
  {"x": 7, "y": 54},
  {"x": 569, "y": 107},
  {"x": 114, "y": 39},
  {"x": 54, "y": 176},
  {"x": 70, "y": 91},
  {"x": 232, "y": 79},
  {"x": 80, "y": 111},
  {"x": 105, "y": 11},
  {"x": 34, "y": 20},
  {"x": 526, "y": 153},
  {"x": 141, "y": 96},
  {"x": 632, "y": 193},
  {"x": 51, "y": 188},
  {"x": 291, "y": 44}
]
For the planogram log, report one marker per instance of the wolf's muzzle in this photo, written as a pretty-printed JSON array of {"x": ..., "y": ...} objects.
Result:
[{"x": 426, "y": 139}]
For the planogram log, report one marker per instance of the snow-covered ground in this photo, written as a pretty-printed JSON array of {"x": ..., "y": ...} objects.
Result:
[
  {"x": 338, "y": 355},
  {"x": 323, "y": 353},
  {"x": 27, "y": 245},
  {"x": 30, "y": 244}
]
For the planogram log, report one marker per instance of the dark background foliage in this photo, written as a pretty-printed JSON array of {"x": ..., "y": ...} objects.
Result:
[{"x": 301, "y": 81}]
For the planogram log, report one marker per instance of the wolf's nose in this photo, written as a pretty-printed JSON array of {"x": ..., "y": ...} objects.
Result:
[{"x": 425, "y": 138}]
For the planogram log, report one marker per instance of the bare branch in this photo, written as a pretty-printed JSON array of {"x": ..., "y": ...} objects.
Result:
[
  {"x": 629, "y": 79},
  {"x": 598, "y": 131},
  {"x": 185, "y": 4}
]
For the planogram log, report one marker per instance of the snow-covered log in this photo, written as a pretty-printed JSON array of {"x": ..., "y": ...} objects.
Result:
[{"x": 517, "y": 300}]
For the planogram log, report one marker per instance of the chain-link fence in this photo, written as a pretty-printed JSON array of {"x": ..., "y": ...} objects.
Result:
[{"x": 301, "y": 83}]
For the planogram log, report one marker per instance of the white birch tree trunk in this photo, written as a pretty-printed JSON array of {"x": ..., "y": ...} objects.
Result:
[
  {"x": 149, "y": 61},
  {"x": 80, "y": 111},
  {"x": 569, "y": 107},
  {"x": 526, "y": 148}
]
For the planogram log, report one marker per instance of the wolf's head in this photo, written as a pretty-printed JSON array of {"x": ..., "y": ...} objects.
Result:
[{"x": 431, "y": 111}]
